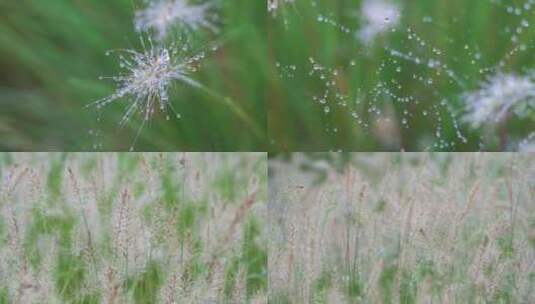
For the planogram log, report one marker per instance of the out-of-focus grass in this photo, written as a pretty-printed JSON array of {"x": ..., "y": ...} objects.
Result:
[
  {"x": 296, "y": 122},
  {"x": 52, "y": 53},
  {"x": 402, "y": 228},
  {"x": 133, "y": 228}
]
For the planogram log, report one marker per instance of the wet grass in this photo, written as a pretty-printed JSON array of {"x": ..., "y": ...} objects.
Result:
[{"x": 472, "y": 38}]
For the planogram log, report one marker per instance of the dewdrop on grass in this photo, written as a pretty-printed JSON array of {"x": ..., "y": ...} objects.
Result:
[{"x": 161, "y": 16}]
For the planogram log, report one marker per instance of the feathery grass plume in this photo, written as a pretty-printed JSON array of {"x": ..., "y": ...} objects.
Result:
[
  {"x": 117, "y": 238},
  {"x": 148, "y": 76},
  {"x": 378, "y": 16},
  {"x": 417, "y": 221},
  {"x": 273, "y": 5},
  {"x": 161, "y": 16},
  {"x": 499, "y": 96},
  {"x": 527, "y": 144}
]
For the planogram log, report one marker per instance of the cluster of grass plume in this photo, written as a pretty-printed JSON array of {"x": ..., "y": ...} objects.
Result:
[
  {"x": 133, "y": 228},
  {"x": 402, "y": 228}
]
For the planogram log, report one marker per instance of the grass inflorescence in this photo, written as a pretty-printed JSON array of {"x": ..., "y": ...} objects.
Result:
[
  {"x": 402, "y": 228},
  {"x": 133, "y": 228}
]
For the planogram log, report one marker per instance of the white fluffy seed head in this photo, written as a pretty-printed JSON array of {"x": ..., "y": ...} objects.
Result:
[
  {"x": 527, "y": 147},
  {"x": 162, "y": 15},
  {"x": 499, "y": 96},
  {"x": 147, "y": 77},
  {"x": 378, "y": 16},
  {"x": 273, "y": 5},
  {"x": 528, "y": 144}
]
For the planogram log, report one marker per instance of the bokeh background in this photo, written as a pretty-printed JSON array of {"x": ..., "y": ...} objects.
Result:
[
  {"x": 53, "y": 52},
  {"x": 470, "y": 37}
]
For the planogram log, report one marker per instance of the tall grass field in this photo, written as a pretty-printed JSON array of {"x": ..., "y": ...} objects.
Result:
[
  {"x": 402, "y": 228},
  {"x": 133, "y": 228}
]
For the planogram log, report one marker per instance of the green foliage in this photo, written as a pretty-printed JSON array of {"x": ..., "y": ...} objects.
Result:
[
  {"x": 387, "y": 282},
  {"x": 127, "y": 163},
  {"x": 380, "y": 205},
  {"x": 324, "y": 281},
  {"x": 254, "y": 257},
  {"x": 58, "y": 227},
  {"x": 4, "y": 296},
  {"x": 506, "y": 244},
  {"x": 408, "y": 288},
  {"x": 355, "y": 286},
  {"x": 188, "y": 216},
  {"x": 55, "y": 178},
  {"x": 145, "y": 287},
  {"x": 504, "y": 292},
  {"x": 171, "y": 192},
  {"x": 226, "y": 184},
  {"x": 70, "y": 274},
  {"x": 425, "y": 268}
]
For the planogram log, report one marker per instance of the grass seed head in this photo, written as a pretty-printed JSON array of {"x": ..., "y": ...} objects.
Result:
[
  {"x": 275, "y": 5},
  {"x": 147, "y": 77},
  {"x": 500, "y": 95},
  {"x": 162, "y": 15},
  {"x": 378, "y": 16}
]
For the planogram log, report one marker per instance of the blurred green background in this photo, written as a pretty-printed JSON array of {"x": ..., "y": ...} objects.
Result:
[
  {"x": 470, "y": 37},
  {"x": 53, "y": 52}
]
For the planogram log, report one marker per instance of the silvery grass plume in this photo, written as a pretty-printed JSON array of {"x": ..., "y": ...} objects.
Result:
[
  {"x": 162, "y": 15},
  {"x": 378, "y": 16},
  {"x": 147, "y": 78},
  {"x": 273, "y": 5},
  {"x": 527, "y": 144},
  {"x": 499, "y": 96}
]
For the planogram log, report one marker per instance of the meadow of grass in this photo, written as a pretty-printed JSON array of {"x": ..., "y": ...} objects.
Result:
[
  {"x": 386, "y": 75},
  {"x": 402, "y": 228},
  {"x": 52, "y": 54},
  {"x": 133, "y": 228}
]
